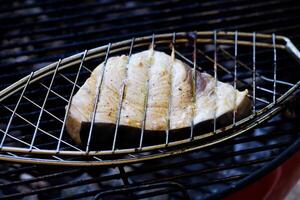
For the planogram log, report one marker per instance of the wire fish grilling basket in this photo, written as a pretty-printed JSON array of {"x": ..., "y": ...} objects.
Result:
[{"x": 38, "y": 104}]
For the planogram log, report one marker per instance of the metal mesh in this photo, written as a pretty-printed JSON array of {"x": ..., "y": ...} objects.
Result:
[{"x": 62, "y": 79}]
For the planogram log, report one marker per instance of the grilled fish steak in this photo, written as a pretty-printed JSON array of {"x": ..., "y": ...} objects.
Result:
[{"x": 167, "y": 84}]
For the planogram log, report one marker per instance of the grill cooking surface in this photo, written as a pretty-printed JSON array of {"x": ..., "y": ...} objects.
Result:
[{"x": 37, "y": 34}]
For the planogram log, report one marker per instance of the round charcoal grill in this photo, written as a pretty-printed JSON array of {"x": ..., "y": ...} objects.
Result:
[{"x": 58, "y": 82}]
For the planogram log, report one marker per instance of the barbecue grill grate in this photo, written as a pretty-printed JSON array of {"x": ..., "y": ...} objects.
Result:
[{"x": 268, "y": 94}]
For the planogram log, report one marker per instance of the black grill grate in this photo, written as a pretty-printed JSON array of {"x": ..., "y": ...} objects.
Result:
[{"x": 35, "y": 33}]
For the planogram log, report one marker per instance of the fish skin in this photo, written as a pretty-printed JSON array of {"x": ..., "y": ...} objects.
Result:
[{"x": 158, "y": 68}]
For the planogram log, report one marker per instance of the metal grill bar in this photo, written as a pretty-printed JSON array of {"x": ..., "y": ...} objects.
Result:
[
  {"x": 194, "y": 85},
  {"x": 173, "y": 42},
  {"x": 254, "y": 74},
  {"x": 43, "y": 106},
  {"x": 122, "y": 97},
  {"x": 147, "y": 93},
  {"x": 235, "y": 75},
  {"x": 96, "y": 100},
  {"x": 69, "y": 102},
  {"x": 216, "y": 81},
  {"x": 15, "y": 109},
  {"x": 275, "y": 67}
]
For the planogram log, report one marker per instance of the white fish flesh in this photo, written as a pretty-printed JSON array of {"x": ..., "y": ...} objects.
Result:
[{"x": 167, "y": 84}]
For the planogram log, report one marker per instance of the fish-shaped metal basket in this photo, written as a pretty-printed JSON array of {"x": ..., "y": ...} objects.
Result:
[{"x": 50, "y": 94}]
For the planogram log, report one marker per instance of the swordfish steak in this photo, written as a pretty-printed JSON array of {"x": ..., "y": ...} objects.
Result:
[{"x": 158, "y": 82}]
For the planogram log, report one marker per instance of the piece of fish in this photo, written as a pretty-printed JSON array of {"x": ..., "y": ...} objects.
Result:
[{"x": 167, "y": 84}]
